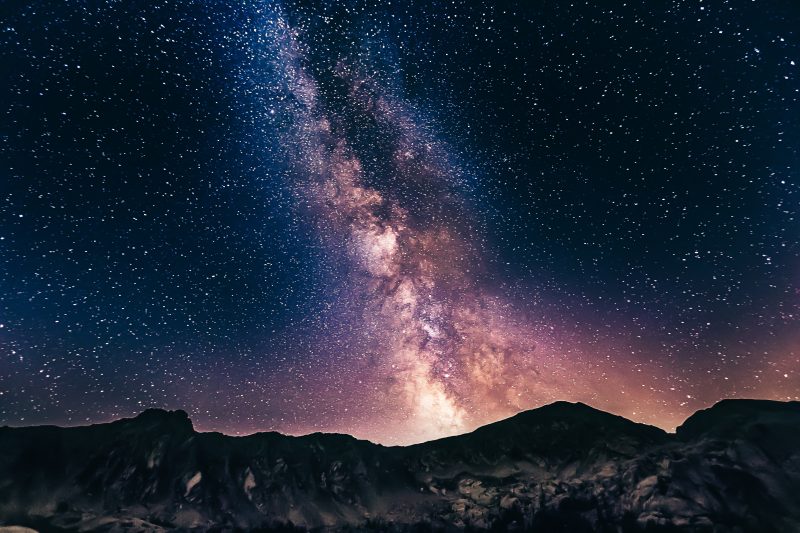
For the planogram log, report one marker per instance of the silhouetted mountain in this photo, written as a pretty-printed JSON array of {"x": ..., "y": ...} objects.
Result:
[{"x": 564, "y": 467}]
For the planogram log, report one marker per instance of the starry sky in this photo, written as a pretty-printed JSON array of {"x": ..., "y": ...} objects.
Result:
[{"x": 397, "y": 220}]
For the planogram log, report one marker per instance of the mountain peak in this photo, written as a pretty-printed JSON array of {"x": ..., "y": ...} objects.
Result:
[
  {"x": 157, "y": 412},
  {"x": 163, "y": 417},
  {"x": 734, "y": 416}
]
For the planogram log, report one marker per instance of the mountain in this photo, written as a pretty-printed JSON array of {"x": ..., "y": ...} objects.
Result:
[{"x": 734, "y": 467}]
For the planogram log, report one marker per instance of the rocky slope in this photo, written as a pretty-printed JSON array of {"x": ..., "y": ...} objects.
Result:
[{"x": 564, "y": 467}]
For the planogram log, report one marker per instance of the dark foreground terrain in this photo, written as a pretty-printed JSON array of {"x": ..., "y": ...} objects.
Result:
[{"x": 564, "y": 467}]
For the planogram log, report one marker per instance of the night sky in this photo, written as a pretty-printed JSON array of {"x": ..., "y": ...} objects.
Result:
[{"x": 395, "y": 220}]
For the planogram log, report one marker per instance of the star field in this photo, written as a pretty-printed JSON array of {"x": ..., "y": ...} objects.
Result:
[{"x": 396, "y": 220}]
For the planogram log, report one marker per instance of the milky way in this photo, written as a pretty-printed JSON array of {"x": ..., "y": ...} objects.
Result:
[
  {"x": 450, "y": 353},
  {"x": 399, "y": 223},
  {"x": 443, "y": 343}
]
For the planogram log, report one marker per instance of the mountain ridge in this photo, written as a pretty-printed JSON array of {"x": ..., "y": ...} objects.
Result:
[
  {"x": 180, "y": 414},
  {"x": 562, "y": 467}
]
